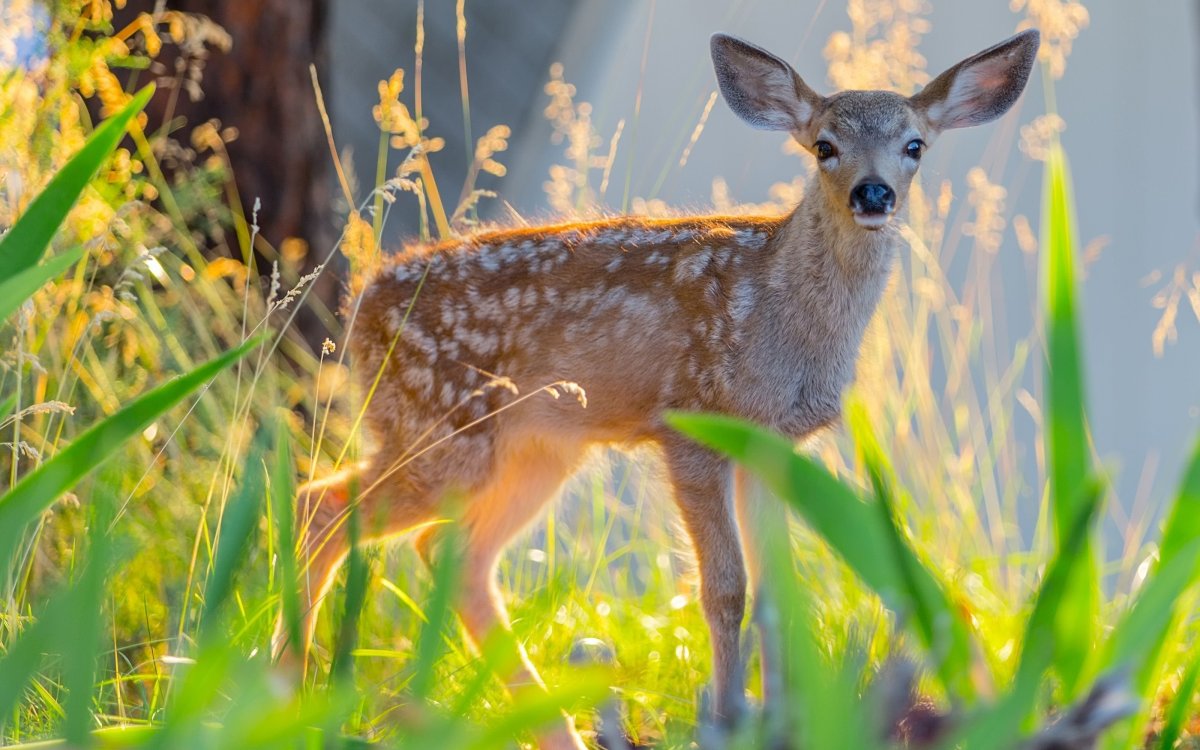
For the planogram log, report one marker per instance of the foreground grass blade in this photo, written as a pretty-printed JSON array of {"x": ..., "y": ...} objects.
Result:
[
  {"x": 999, "y": 727},
  {"x": 438, "y": 613},
  {"x": 82, "y": 638},
  {"x": 21, "y": 286},
  {"x": 109, "y": 738},
  {"x": 358, "y": 573},
  {"x": 534, "y": 710},
  {"x": 929, "y": 604},
  {"x": 6, "y": 406},
  {"x": 855, "y": 529},
  {"x": 820, "y": 698},
  {"x": 26, "y": 242},
  {"x": 1066, "y": 432},
  {"x": 58, "y": 630},
  {"x": 1167, "y": 598},
  {"x": 1178, "y": 712},
  {"x": 37, "y": 490},
  {"x": 283, "y": 509},
  {"x": 1183, "y": 525},
  {"x": 237, "y": 524}
]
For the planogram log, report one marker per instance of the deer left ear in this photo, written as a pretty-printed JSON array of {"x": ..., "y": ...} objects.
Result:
[
  {"x": 980, "y": 88},
  {"x": 760, "y": 88}
]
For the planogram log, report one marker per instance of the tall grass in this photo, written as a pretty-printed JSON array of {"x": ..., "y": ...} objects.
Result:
[{"x": 140, "y": 597}]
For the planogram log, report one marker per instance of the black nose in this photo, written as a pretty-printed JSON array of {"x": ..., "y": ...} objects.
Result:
[{"x": 872, "y": 198}]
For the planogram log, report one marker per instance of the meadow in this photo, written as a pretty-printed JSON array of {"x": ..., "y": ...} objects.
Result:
[{"x": 158, "y": 407}]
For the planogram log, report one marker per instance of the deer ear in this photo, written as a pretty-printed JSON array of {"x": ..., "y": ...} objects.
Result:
[
  {"x": 980, "y": 88},
  {"x": 760, "y": 88}
]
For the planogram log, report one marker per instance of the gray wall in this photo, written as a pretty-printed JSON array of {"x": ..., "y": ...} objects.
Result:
[{"x": 509, "y": 47}]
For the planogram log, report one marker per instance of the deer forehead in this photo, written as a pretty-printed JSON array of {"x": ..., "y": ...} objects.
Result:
[{"x": 867, "y": 116}]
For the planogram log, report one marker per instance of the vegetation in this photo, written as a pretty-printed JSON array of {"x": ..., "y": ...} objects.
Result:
[{"x": 158, "y": 407}]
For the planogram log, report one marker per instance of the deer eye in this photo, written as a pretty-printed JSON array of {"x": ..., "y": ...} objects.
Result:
[
  {"x": 914, "y": 148},
  {"x": 825, "y": 150}
]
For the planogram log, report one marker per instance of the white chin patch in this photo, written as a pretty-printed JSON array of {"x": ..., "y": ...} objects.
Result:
[{"x": 872, "y": 221}]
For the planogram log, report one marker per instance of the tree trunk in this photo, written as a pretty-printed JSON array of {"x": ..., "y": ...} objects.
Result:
[{"x": 262, "y": 86}]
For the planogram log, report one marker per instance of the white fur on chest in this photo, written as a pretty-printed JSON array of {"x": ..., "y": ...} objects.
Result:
[{"x": 797, "y": 342}]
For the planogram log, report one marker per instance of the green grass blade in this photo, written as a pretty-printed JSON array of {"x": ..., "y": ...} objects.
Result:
[
  {"x": 1138, "y": 641},
  {"x": 1179, "y": 710},
  {"x": 24, "y": 654},
  {"x": 237, "y": 524},
  {"x": 1066, "y": 432},
  {"x": 283, "y": 508},
  {"x": 358, "y": 573},
  {"x": 535, "y": 709},
  {"x": 1183, "y": 525},
  {"x": 285, "y": 725},
  {"x": 109, "y": 738},
  {"x": 6, "y": 406},
  {"x": 820, "y": 698},
  {"x": 438, "y": 613},
  {"x": 854, "y": 528},
  {"x": 57, "y": 629},
  {"x": 21, "y": 286},
  {"x": 81, "y": 641},
  {"x": 999, "y": 727},
  {"x": 935, "y": 614},
  {"x": 42, "y": 486},
  {"x": 25, "y": 243}
]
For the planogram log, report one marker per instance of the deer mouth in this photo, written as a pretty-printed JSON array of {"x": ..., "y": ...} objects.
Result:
[{"x": 872, "y": 220}]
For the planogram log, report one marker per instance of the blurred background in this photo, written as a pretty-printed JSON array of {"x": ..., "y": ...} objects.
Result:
[{"x": 609, "y": 106}]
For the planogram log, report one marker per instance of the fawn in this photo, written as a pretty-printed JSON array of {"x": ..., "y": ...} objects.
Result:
[{"x": 757, "y": 317}]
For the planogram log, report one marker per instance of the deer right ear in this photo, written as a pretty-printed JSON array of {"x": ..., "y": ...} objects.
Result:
[
  {"x": 760, "y": 88},
  {"x": 982, "y": 87}
]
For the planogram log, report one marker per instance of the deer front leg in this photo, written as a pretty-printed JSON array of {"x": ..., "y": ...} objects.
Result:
[{"x": 701, "y": 480}]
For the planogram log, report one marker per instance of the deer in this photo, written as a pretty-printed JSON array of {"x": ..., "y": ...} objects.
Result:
[{"x": 758, "y": 317}]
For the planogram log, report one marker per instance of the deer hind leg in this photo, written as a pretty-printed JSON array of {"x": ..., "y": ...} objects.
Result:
[
  {"x": 525, "y": 479},
  {"x": 701, "y": 481},
  {"x": 384, "y": 505}
]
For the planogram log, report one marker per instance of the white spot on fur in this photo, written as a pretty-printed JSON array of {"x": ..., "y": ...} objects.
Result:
[
  {"x": 692, "y": 267},
  {"x": 712, "y": 291},
  {"x": 395, "y": 317},
  {"x": 482, "y": 344},
  {"x": 489, "y": 308},
  {"x": 418, "y": 379},
  {"x": 751, "y": 239},
  {"x": 405, "y": 272},
  {"x": 447, "y": 310},
  {"x": 477, "y": 408},
  {"x": 742, "y": 303},
  {"x": 418, "y": 341},
  {"x": 489, "y": 262}
]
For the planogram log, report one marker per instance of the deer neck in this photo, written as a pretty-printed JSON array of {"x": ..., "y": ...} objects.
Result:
[
  {"x": 827, "y": 274},
  {"x": 822, "y": 277}
]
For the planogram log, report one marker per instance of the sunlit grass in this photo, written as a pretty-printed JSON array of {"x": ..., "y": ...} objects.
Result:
[{"x": 164, "y": 286}]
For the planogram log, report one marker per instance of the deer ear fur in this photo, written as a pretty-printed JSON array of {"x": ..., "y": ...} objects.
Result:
[
  {"x": 980, "y": 88},
  {"x": 760, "y": 88}
]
